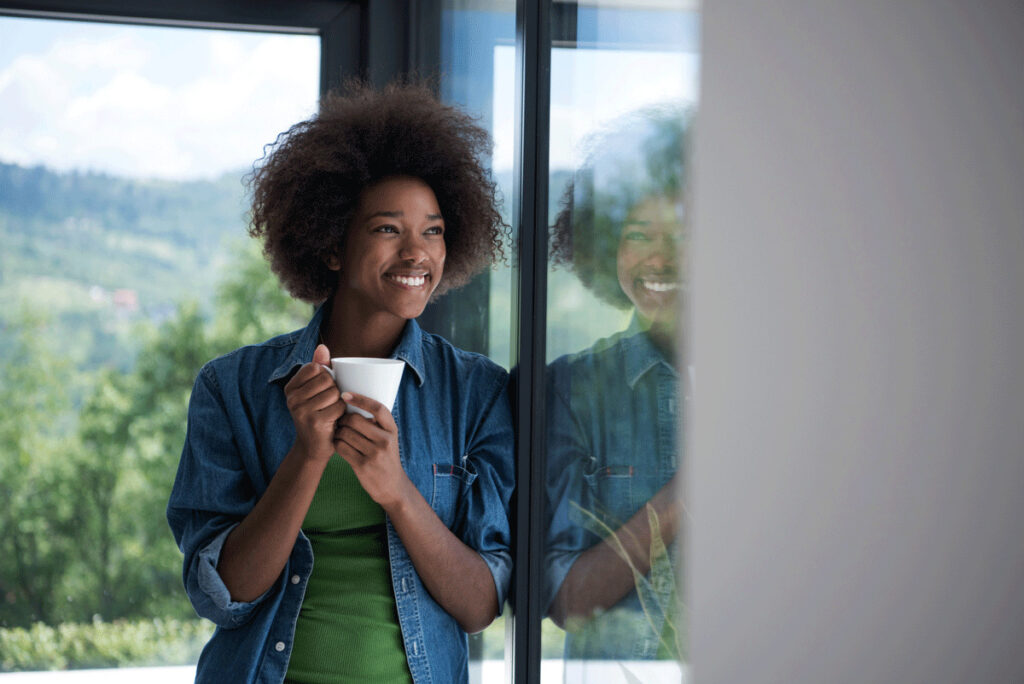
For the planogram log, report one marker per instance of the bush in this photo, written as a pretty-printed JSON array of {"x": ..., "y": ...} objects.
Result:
[{"x": 122, "y": 643}]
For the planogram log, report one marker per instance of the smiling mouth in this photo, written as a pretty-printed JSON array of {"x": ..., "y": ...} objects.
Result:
[
  {"x": 658, "y": 286},
  {"x": 409, "y": 280}
]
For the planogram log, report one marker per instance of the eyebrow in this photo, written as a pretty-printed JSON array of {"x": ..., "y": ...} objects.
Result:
[{"x": 401, "y": 214}]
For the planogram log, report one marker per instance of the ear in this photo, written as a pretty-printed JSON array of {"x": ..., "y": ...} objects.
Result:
[{"x": 333, "y": 262}]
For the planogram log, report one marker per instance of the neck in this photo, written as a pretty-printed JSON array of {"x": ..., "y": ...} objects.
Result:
[
  {"x": 665, "y": 335},
  {"x": 349, "y": 332}
]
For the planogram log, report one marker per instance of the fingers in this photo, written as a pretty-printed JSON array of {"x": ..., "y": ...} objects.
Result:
[
  {"x": 326, "y": 398},
  {"x": 321, "y": 355},
  {"x": 380, "y": 413},
  {"x": 362, "y": 435},
  {"x": 311, "y": 384},
  {"x": 310, "y": 379},
  {"x": 350, "y": 443}
]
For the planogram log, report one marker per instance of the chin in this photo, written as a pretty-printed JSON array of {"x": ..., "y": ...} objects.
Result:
[{"x": 409, "y": 313}]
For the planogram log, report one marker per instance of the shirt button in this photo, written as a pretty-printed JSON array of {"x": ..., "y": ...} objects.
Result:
[
  {"x": 296, "y": 579},
  {"x": 279, "y": 646}
]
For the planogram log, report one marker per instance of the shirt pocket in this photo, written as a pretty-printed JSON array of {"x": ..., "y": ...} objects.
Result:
[
  {"x": 609, "y": 499},
  {"x": 450, "y": 484}
]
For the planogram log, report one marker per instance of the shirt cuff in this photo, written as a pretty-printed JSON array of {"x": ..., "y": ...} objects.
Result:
[
  {"x": 500, "y": 565},
  {"x": 557, "y": 566},
  {"x": 212, "y": 585}
]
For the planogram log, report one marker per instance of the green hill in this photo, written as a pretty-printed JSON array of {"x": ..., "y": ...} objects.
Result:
[{"x": 97, "y": 253}]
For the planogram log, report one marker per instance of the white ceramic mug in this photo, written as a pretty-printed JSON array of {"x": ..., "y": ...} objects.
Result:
[{"x": 375, "y": 378}]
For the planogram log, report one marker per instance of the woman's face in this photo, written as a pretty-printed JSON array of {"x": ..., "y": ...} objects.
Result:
[
  {"x": 394, "y": 249},
  {"x": 647, "y": 261}
]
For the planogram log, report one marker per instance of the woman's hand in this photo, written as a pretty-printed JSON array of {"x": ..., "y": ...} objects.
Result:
[
  {"x": 257, "y": 549},
  {"x": 371, "y": 448},
  {"x": 315, "y": 405},
  {"x": 455, "y": 575}
]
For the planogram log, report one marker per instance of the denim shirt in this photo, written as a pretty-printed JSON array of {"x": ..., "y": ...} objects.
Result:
[
  {"x": 455, "y": 443},
  {"x": 612, "y": 415}
]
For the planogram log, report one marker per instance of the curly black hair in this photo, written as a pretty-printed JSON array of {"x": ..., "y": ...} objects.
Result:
[
  {"x": 635, "y": 157},
  {"x": 306, "y": 189}
]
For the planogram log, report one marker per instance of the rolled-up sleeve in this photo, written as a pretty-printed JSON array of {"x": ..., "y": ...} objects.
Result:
[
  {"x": 484, "y": 520},
  {"x": 212, "y": 493},
  {"x": 566, "y": 454}
]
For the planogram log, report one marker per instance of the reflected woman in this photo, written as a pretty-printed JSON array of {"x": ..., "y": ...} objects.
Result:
[
  {"x": 329, "y": 547},
  {"x": 613, "y": 453}
]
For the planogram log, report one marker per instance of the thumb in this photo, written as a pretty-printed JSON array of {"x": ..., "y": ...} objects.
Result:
[{"x": 321, "y": 355}]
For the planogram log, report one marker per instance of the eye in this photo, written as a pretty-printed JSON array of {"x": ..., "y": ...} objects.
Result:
[
  {"x": 434, "y": 230},
  {"x": 635, "y": 236},
  {"x": 387, "y": 228}
]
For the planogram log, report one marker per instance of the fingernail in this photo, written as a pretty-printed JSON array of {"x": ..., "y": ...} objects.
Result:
[{"x": 346, "y": 395}]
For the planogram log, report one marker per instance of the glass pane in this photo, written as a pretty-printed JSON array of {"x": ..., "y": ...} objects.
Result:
[
  {"x": 125, "y": 266},
  {"x": 473, "y": 37},
  {"x": 623, "y": 91}
]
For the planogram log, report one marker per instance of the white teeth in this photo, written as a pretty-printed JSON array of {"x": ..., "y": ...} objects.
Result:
[
  {"x": 410, "y": 281},
  {"x": 660, "y": 287}
]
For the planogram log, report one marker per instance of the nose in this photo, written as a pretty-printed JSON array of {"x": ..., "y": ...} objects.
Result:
[
  {"x": 413, "y": 250},
  {"x": 662, "y": 252}
]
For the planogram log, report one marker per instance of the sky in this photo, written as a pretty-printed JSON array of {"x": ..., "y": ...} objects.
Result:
[
  {"x": 148, "y": 102},
  {"x": 590, "y": 88},
  {"x": 179, "y": 104}
]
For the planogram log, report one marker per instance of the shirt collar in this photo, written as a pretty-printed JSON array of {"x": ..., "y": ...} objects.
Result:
[
  {"x": 409, "y": 348},
  {"x": 302, "y": 351},
  {"x": 639, "y": 352}
]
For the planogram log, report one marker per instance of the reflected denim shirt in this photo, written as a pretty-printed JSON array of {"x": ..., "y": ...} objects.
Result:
[
  {"x": 612, "y": 444},
  {"x": 455, "y": 443}
]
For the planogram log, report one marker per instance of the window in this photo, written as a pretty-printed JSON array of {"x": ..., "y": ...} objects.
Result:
[
  {"x": 126, "y": 264},
  {"x": 589, "y": 106}
]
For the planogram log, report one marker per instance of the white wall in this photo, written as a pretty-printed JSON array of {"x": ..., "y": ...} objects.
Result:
[{"x": 856, "y": 449}]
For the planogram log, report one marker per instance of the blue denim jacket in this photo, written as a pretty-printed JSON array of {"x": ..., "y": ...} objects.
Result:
[
  {"x": 612, "y": 414},
  {"x": 455, "y": 442}
]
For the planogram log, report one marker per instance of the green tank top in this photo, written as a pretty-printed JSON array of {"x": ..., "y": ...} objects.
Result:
[{"x": 347, "y": 629}]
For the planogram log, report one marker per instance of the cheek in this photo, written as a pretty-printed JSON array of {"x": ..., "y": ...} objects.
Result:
[{"x": 625, "y": 260}]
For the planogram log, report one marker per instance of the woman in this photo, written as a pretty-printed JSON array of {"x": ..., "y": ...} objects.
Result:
[
  {"x": 613, "y": 407},
  {"x": 328, "y": 547}
]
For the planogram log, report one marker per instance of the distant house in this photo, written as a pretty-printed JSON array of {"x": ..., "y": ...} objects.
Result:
[{"x": 126, "y": 301}]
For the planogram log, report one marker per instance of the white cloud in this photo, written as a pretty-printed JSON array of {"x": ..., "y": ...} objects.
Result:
[
  {"x": 84, "y": 54},
  {"x": 588, "y": 89},
  {"x": 143, "y": 104}
]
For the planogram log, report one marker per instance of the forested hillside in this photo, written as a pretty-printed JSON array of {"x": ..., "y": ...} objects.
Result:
[
  {"x": 114, "y": 292},
  {"x": 99, "y": 253}
]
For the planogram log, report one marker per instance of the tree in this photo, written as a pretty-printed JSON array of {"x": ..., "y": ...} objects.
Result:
[
  {"x": 250, "y": 304},
  {"x": 132, "y": 428},
  {"x": 36, "y": 518},
  {"x": 83, "y": 529}
]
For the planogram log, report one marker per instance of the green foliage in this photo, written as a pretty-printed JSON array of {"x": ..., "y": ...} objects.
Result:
[
  {"x": 76, "y": 244},
  {"x": 36, "y": 518},
  {"x": 251, "y": 306},
  {"x": 491, "y": 642},
  {"x": 87, "y": 457},
  {"x": 122, "y": 643},
  {"x": 657, "y": 590}
]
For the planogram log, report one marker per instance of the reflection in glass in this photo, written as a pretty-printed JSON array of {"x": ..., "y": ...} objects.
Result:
[{"x": 613, "y": 408}]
